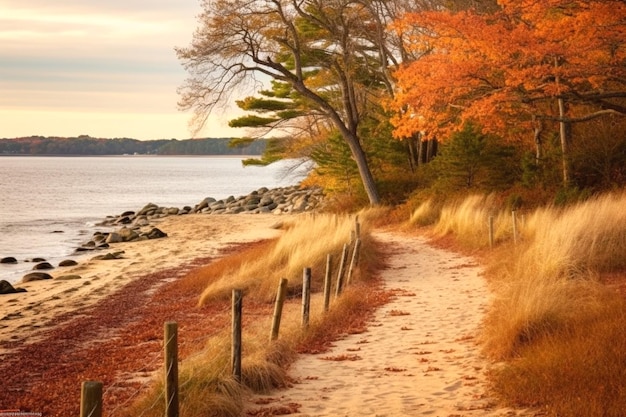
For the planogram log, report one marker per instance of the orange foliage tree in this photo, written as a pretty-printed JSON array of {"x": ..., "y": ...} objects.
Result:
[{"x": 528, "y": 63}]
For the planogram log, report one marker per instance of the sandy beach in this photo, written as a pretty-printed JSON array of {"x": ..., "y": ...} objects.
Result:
[
  {"x": 107, "y": 325},
  {"x": 419, "y": 355},
  {"x": 24, "y": 316}
]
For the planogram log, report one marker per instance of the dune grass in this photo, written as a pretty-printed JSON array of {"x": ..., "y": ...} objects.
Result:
[
  {"x": 305, "y": 243},
  {"x": 207, "y": 386},
  {"x": 556, "y": 329}
]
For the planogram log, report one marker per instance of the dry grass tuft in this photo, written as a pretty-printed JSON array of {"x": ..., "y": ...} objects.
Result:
[
  {"x": 426, "y": 214},
  {"x": 306, "y": 243},
  {"x": 556, "y": 326}
]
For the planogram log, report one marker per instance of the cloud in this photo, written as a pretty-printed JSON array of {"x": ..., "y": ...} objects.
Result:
[{"x": 92, "y": 56}]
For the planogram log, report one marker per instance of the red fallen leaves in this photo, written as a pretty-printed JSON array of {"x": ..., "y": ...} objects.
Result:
[{"x": 112, "y": 341}]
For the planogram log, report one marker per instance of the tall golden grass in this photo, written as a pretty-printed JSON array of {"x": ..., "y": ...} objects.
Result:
[
  {"x": 207, "y": 386},
  {"x": 557, "y": 329},
  {"x": 305, "y": 243}
]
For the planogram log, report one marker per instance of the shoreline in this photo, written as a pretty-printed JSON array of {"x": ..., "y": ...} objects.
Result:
[
  {"x": 25, "y": 317},
  {"x": 76, "y": 242}
]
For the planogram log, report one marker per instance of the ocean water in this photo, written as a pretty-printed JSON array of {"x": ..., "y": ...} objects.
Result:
[{"x": 51, "y": 205}]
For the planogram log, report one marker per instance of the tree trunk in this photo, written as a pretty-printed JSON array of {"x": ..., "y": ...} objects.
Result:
[
  {"x": 538, "y": 129},
  {"x": 364, "y": 171},
  {"x": 420, "y": 151},
  {"x": 564, "y": 134}
]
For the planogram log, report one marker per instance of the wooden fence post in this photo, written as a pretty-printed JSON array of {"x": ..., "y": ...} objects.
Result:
[
  {"x": 491, "y": 231},
  {"x": 327, "y": 282},
  {"x": 278, "y": 308},
  {"x": 91, "y": 399},
  {"x": 237, "y": 308},
  {"x": 306, "y": 296},
  {"x": 355, "y": 259},
  {"x": 342, "y": 267},
  {"x": 171, "y": 368}
]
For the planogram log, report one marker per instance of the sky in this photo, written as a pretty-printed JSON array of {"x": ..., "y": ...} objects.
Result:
[{"x": 103, "y": 68}]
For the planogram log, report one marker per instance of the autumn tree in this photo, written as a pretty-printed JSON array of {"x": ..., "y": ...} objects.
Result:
[
  {"x": 333, "y": 54},
  {"x": 519, "y": 68}
]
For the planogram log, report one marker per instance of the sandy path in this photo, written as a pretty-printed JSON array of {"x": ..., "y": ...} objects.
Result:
[{"x": 419, "y": 356}]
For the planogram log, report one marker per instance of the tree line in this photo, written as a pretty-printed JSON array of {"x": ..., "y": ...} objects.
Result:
[
  {"x": 86, "y": 145},
  {"x": 393, "y": 96}
]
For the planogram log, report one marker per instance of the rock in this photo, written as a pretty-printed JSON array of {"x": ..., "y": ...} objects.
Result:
[
  {"x": 7, "y": 288},
  {"x": 109, "y": 256},
  {"x": 155, "y": 233},
  {"x": 128, "y": 213},
  {"x": 36, "y": 276},
  {"x": 99, "y": 237},
  {"x": 127, "y": 234},
  {"x": 68, "y": 262},
  {"x": 124, "y": 220},
  {"x": 68, "y": 277},
  {"x": 148, "y": 209},
  {"x": 38, "y": 260},
  {"x": 43, "y": 265},
  {"x": 114, "y": 238},
  {"x": 8, "y": 260},
  {"x": 141, "y": 221}
]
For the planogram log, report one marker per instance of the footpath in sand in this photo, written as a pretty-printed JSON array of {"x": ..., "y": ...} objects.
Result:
[{"x": 420, "y": 354}]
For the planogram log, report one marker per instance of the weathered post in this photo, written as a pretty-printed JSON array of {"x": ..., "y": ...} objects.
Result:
[
  {"x": 278, "y": 308},
  {"x": 171, "y": 369},
  {"x": 355, "y": 259},
  {"x": 342, "y": 267},
  {"x": 327, "y": 282},
  {"x": 237, "y": 308},
  {"x": 91, "y": 399},
  {"x": 491, "y": 231},
  {"x": 306, "y": 296}
]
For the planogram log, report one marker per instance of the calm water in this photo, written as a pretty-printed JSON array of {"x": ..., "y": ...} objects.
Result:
[{"x": 49, "y": 205}]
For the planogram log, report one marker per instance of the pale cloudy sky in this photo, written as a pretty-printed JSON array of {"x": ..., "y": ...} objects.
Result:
[{"x": 104, "y": 68}]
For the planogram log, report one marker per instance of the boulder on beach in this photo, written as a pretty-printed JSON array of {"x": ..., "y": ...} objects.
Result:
[
  {"x": 127, "y": 234},
  {"x": 155, "y": 233},
  {"x": 114, "y": 238},
  {"x": 68, "y": 262},
  {"x": 8, "y": 260},
  {"x": 7, "y": 288},
  {"x": 67, "y": 277},
  {"x": 148, "y": 209},
  {"x": 109, "y": 256},
  {"x": 43, "y": 265},
  {"x": 36, "y": 276}
]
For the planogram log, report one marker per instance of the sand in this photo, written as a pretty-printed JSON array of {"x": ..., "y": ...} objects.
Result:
[
  {"x": 420, "y": 355},
  {"x": 24, "y": 316}
]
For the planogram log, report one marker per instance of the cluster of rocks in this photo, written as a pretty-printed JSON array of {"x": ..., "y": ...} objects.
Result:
[
  {"x": 277, "y": 201},
  {"x": 38, "y": 274},
  {"x": 133, "y": 226}
]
